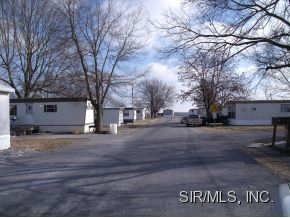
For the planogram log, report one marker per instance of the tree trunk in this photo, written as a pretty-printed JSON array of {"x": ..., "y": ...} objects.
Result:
[
  {"x": 208, "y": 112},
  {"x": 99, "y": 119},
  {"x": 152, "y": 111}
]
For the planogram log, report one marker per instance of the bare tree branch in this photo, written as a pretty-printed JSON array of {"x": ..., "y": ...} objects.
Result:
[{"x": 106, "y": 36}]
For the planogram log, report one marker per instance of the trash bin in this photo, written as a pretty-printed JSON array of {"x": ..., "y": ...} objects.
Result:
[{"x": 114, "y": 128}]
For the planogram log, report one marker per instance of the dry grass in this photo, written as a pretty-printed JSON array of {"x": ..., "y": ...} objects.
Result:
[
  {"x": 244, "y": 128},
  {"x": 41, "y": 144},
  {"x": 269, "y": 140},
  {"x": 141, "y": 123},
  {"x": 276, "y": 165}
]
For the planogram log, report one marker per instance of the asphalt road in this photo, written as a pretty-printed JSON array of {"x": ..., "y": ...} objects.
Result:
[{"x": 150, "y": 171}]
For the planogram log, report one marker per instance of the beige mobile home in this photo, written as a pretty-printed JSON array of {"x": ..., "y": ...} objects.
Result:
[
  {"x": 54, "y": 114},
  {"x": 257, "y": 112},
  {"x": 4, "y": 117}
]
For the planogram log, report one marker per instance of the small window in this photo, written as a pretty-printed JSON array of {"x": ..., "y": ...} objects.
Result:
[
  {"x": 232, "y": 113},
  {"x": 285, "y": 107},
  {"x": 13, "y": 110},
  {"x": 253, "y": 109},
  {"x": 50, "y": 108}
]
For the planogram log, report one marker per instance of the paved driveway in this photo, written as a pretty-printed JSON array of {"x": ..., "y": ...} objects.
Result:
[{"x": 148, "y": 171}]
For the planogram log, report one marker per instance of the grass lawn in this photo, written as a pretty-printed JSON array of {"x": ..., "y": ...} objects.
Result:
[
  {"x": 246, "y": 128},
  {"x": 39, "y": 144},
  {"x": 141, "y": 123}
]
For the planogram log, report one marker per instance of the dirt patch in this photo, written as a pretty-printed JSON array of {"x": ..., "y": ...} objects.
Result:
[
  {"x": 269, "y": 140},
  {"x": 276, "y": 160},
  {"x": 41, "y": 144},
  {"x": 141, "y": 123},
  {"x": 272, "y": 160},
  {"x": 133, "y": 126},
  {"x": 243, "y": 128}
]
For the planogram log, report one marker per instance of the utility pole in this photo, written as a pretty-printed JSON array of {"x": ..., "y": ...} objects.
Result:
[{"x": 132, "y": 95}]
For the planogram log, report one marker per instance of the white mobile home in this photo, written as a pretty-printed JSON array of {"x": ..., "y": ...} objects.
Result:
[
  {"x": 140, "y": 113},
  {"x": 54, "y": 114},
  {"x": 168, "y": 113},
  {"x": 257, "y": 112},
  {"x": 112, "y": 115},
  {"x": 4, "y": 117},
  {"x": 129, "y": 115}
]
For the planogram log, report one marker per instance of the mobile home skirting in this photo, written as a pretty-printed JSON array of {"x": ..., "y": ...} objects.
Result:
[
  {"x": 250, "y": 122},
  {"x": 66, "y": 128}
]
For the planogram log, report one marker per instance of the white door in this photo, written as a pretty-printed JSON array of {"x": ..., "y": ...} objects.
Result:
[
  {"x": 29, "y": 109},
  {"x": 29, "y": 119}
]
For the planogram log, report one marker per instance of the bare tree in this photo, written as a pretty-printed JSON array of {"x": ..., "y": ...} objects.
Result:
[
  {"x": 207, "y": 81},
  {"x": 70, "y": 84},
  {"x": 156, "y": 95},
  {"x": 254, "y": 30},
  {"x": 105, "y": 37},
  {"x": 32, "y": 52}
]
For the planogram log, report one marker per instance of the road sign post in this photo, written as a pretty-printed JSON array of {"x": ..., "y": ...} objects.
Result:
[{"x": 214, "y": 109}]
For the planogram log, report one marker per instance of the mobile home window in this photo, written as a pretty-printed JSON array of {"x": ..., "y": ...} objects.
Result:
[
  {"x": 231, "y": 112},
  {"x": 285, "y": 107},
  {"x": 13, "y": 110},
  {"x": 50, "y": 108}
]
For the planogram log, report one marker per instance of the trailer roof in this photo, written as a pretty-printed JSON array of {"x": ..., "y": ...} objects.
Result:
[
  {"x": 31, "y": 100},
  {"x": 6, "y": 89},
  {"x": 257, "y": 101}
]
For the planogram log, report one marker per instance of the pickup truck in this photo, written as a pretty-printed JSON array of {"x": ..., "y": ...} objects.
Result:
[{"x": 193, "y": 120}]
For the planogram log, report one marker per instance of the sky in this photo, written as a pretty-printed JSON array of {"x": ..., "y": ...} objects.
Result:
[{"x": 163, "y": 69}]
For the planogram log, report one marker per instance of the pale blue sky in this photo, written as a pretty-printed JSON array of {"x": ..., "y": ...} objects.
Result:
[{"x": 166, "y": 70}]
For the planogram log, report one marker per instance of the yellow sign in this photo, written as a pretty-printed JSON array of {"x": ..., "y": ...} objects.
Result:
[{"x": 214, "y": 107}]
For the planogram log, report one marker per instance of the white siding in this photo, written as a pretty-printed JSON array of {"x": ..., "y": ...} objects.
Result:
[
  {"x": 89, "y": 117},
  {"x": 257, "y": 113},
  {"x": 70, "y": 116},
  {"x": 250, "y": 122},
  {"x": 140, "y": 113},
  {"x": 4, "y": 121},
  {"x": 112, "y": 115}
]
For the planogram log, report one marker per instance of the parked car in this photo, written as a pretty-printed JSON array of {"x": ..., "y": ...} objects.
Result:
[
  {"x": 220, "y": 119},
  {"x": 183, "y": 119},
  {"x": 193, "y": 120}
]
